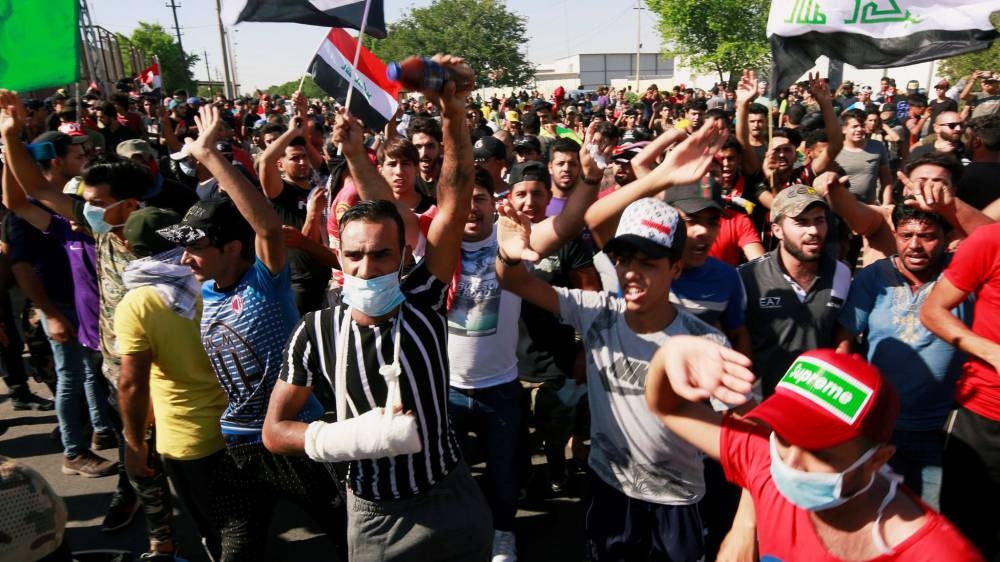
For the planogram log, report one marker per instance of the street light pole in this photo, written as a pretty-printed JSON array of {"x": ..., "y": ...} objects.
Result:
[{"x": 638, "y": 42}]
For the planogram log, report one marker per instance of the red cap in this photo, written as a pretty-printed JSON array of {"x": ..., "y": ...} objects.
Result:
[{"x": 828, "y": 398}]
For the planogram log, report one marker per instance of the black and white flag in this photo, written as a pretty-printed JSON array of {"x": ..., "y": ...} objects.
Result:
[
  {"x": 327, "y": 13},
  {"x": 873, "y": 33}
]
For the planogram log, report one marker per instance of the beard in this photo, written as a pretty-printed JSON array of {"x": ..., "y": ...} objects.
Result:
[{"x": 799, "y": 253}]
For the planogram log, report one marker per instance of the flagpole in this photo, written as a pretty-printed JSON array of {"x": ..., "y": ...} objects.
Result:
[{"x": 354, "y": 66}]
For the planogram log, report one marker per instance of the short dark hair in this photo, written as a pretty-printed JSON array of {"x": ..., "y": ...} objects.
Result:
[
  {"x": 426, "y": 125},
  {"x": 297, "y": 141},
  {"x": 530, "y": 123},
  {"x": 563, "y": 144},
  {"x": 398, "y": 148},
  {"x": 814, "y": 136},
  {"x": 374, "y": 211},
  {"x": 758, "y": 109},
  {"x": 945, "y": 160},
  {"x": 119, "y": 99},
  {"x": 276, "y": 128},
  {"x": 793, "y": 136},
  {"x": 108, "y": 109},
  {"x": 484, "y": 180},
  {"x": 608, "y": 130},
  {"x": 124, "y": 178},
  {"x": 917, "y": 100},
  {"x": 795, "y": 113},
  {"x": 850, "y": 114},
  {"x": 903, "y": 213},
  {"x": 699, "y": 105},
  {"x": 732, "y": 143},
  {"x": 987, "y": 129}
]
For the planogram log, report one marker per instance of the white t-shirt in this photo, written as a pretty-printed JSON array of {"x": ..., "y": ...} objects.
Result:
[
  {"x": 631, "y": 450},
  {"x": 482, "y": 322}
]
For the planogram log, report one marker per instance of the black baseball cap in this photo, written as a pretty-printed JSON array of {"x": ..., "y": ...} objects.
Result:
[
  {"x": 61, "y": 141},
  {"x": 528, "y": 171},
  {"x": 695, "y": 197},
  {"x": 489, "y": 147},
  {"x": 527, "y": 143},
  {"x": 217, "y": 219},
  {"x": 143, "y": 230}
]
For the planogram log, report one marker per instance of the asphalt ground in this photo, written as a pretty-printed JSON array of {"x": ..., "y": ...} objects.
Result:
[{"x": 549, "y": 527}]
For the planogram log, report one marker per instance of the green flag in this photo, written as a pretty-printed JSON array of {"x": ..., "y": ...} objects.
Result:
[{"x": 39, "y": 43}]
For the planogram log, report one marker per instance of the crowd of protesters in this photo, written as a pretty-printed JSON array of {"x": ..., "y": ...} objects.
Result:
[{"x": 252, "y": 300}]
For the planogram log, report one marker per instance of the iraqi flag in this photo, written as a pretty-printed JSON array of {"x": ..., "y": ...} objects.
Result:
[
  {"x": 374, "y": 100},
  {"x": 326, "y": 13},
  {"x": 150, "y": 79},
  {"x": 873, "y": 33}
]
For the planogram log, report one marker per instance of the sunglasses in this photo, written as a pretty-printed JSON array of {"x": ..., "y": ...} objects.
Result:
[{"x": 951, "y": 125}]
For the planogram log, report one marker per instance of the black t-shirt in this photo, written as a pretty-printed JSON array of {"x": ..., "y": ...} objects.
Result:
[
  {"x": 427, "y": 189},
  {"x": 166, "y": 193},
  {"x": 938, "y": 107},
  {"x": 113, "y": 138},
  {"x": 545, "y": 346},
  {"x": 290, "y": 205},
  {"x": 978, "y": 186}
]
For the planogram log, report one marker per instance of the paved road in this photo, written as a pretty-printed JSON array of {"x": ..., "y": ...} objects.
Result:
[{"x": 548, "y": 529}]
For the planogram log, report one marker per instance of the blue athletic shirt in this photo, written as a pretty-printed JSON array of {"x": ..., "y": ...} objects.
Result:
[
  {"x": 244, "y": 331},
  {"x": 713, "y": 292}
]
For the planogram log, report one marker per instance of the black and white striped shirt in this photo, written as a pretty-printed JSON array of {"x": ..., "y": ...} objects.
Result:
[{"x": 311, "y": 353}]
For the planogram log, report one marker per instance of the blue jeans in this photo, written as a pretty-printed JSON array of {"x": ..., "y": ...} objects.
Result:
[
  {"x": 78, "y": 383},
  {"x": 494, "y": 414},
  {"x": 918, "y": 459}
]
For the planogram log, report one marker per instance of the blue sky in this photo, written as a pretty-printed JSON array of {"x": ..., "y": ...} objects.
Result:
[{"x": 271, "y": 53}]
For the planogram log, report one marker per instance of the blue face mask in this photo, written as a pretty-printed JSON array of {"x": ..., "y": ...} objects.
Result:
[
  {"x": 813, "y": 491},
  {"x": 95, "y": 217},
  {"x": 374, "y": 297}
]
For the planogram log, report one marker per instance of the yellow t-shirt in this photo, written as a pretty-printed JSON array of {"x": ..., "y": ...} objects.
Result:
[{"x": 186, "y": 396}]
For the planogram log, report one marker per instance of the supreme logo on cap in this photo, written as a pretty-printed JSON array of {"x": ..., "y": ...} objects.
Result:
[{"x": 828, "y": 387}]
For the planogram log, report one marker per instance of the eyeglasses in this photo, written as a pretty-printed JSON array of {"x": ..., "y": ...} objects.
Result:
[{"x": 951, "y": 125}]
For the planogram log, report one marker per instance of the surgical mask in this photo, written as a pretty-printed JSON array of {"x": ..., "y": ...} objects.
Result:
[
  {"x": 374, "y": 297},
  {"x": 187, "y": 168},
  {"x": 95, "y": 217},
  {"x": 813, "y": 491}
]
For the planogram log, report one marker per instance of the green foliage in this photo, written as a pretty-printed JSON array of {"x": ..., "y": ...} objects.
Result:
[
  {"x": 482, "y": 31},
  {"x": 175, "y": 66},
  {"x": 309, "y": 89},
  {"x": 723, "y": 36},
  {"x": 963, "y": 65}
]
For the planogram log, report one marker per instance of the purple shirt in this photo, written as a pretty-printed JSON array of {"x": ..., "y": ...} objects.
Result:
[{"x": 80, "y": 250}]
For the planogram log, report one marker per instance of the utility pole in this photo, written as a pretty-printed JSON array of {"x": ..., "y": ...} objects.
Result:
[
  {"x": 173, "y": 5},
  {"x": 638, "y": 42},
  {"x": 228, "y": 81},
  {"x": 208, "y": 73},
  {"x": 232, "y": 63}
]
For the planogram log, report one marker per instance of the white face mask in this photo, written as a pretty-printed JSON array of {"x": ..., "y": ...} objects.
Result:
[{"x": 813, "y": 491}]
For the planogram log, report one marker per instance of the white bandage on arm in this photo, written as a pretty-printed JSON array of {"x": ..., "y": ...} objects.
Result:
[{"x": 371, "y": 435}]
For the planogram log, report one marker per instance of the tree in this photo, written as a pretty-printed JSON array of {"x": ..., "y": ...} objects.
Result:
[
  {"x": 175, "y": 66},
  {"x": 482, "y": 31},
  {"x": 963, "y": 65},
  {"x": 723, "y": 36},
  {"x": 309, "y": 89}
]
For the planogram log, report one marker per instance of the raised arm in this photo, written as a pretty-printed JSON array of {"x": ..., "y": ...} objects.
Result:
[
  {"x": 936, "y": 315},
  {"x": 831, "y": 124},
  {"x": 269, "y": 245},
  {"x": 934, "y": 196},
  {"x": 746, "y": 92},
  {"x": 270, "y": 177},
  {"x": 348, "y": 134},
  {"x": 513, "y": 235},
  {"x": 23, "y": 167},
  {"x": 686, "y": 371},
  {"x": 642, "y": 163},
  {"x": 309, "y": 131},
  {"x": 553, "y": 232},
  {"x": 454, "y": 192},
  {"x": 687, "y": 163},
  {"x": 861, "y": 218},
  {"x": 17, "y": 203}
]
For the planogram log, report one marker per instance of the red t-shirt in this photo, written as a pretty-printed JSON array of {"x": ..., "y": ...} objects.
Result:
[
  {"x": 785, "y": 532},
  {"x": 975, "y": 268},
  {"x": 735, "y": 232}
]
